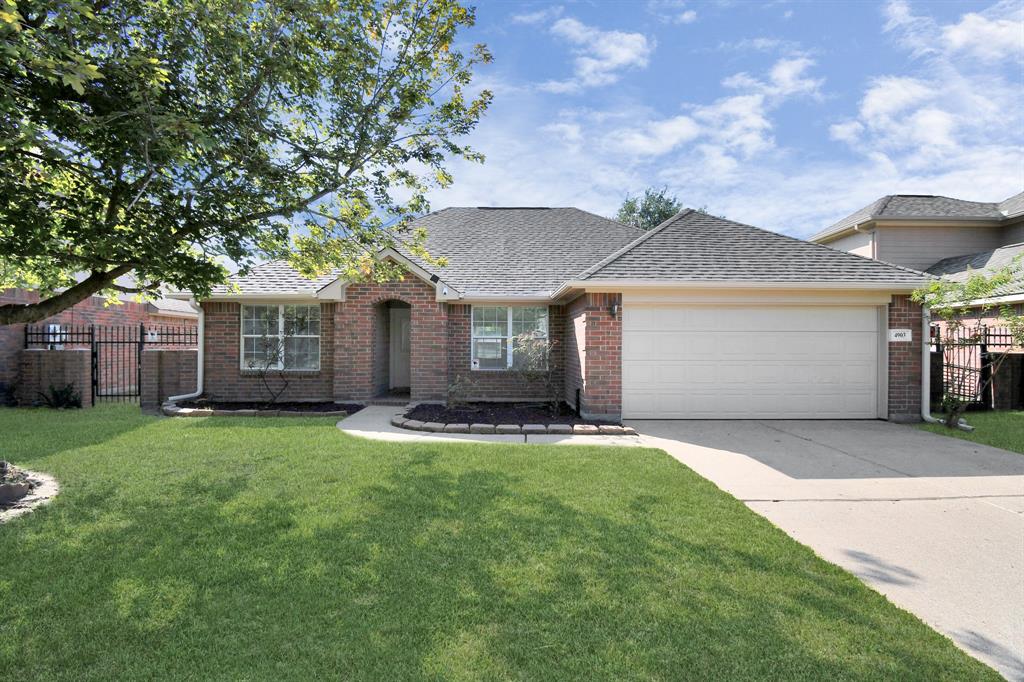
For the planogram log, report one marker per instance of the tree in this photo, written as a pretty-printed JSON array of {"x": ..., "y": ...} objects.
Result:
[
  {"x": 158, "y": 139},
  {"x": 535, "y": 365},
  {"x": 650, "y": 210},
  {"x": 968, "y": 308}
]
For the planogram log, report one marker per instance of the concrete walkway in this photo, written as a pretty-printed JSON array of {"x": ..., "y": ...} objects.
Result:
[
  {"x": 374, "y": 422},
  {"x": 934, "y": 523}
]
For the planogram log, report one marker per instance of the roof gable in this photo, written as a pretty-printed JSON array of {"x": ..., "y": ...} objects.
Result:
[{"x": 697, "y": 247}]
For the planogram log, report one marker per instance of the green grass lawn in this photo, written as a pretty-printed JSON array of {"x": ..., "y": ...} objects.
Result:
[
  {"x": 1001, "y": 429},
  {"x": 227, "y": 548}
]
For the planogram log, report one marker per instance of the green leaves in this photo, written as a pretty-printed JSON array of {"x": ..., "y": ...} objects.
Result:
[
  {"x": 650, "y": 210},
  {"x": 177, "y": 137}
]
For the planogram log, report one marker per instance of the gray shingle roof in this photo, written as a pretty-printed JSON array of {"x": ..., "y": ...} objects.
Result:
[
  {"x": 274, "y": 277},
  {"x": 1013, "y": 206},
  {"x": 697, "y": 247},
  {"x": 518, "y": 251},
  {"x": 959, "y": 268},
  {"x": 919, "y": 206},
  {"x": 173, "y": 306}
]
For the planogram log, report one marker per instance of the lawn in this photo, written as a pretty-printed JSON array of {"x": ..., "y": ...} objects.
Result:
[
  {"x": 228, "y": 548},
  {"x": 1000, "y": 429}
]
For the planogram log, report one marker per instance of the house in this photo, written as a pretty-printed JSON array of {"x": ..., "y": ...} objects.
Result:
[
  {"x": 940, "y": 235},
  {"x": 700, "y": 317},
  {"x": 91, "y": 311}
]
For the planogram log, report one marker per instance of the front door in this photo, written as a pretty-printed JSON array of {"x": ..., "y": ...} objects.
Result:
[{"x": 400, "y": 343}]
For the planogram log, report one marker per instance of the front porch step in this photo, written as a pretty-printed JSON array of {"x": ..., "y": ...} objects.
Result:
[{"x": 395, "y": 402}]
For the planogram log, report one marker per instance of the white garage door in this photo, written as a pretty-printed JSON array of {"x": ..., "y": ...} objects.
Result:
[{"x": 771, "y": 362}]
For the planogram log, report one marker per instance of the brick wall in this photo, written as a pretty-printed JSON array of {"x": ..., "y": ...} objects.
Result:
[
  {"x": 40, "y": 369},
  {"x": 224, "y": 379},
  {"x": 575, "y": 345},
  {"x": 602, "y": 394},
  {"x": 166, "y": 373},
  {"x": 91, "y": 311},
  {"x": 905, "y": 362},
  {"x": 1008, "y": 383},
  {"x": 501, "y": 384},
  {"x": 357, "y": 355}
]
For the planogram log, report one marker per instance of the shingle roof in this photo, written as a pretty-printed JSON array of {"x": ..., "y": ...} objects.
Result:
[
  {"x": 173, "y": 306},
  {"x": 695, "y": 247},
  {"x": 1013, "y": 206},
  {"x": 517, "y": 251},
  {"x": 274, "y": 277},
  {"x": 959, "y": 268},
  {"x": 921, "y": 206}
]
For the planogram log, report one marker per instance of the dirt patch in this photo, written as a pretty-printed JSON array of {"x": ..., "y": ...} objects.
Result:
[
  {"x": 351, "y": 408},
  {"x": 498, "y": 413}
]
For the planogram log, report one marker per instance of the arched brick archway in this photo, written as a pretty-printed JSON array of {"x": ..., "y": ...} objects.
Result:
[{"x": 359, "y": 324}]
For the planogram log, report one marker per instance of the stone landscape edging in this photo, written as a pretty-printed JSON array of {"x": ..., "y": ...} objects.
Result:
[
  {"x": 173, "y": 410},
  {"x": 401, "y": 422}
]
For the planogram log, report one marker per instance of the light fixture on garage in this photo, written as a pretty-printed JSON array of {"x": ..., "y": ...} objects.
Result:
[{"x": 613, "y": 310}]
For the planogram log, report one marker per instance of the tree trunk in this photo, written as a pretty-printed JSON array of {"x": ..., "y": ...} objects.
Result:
[{"x": 15, "y": 313}]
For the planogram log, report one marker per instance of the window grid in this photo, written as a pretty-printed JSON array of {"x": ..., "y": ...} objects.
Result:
[
  {"x": 292, "y": 330},
  {"x": 493, "y": 331}
]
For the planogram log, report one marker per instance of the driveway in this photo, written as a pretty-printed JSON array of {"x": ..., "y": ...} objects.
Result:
[{"x": 934, "y": 523}]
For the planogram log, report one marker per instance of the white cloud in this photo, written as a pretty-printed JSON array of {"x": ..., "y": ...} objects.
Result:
[
  {"x": 538, "y": 17},
  {"x": 657, "y": 137},
  {"x": 566, "y": 132},
  {"x": 848, "y": 131},
  {"x": 987, "y": 39},
  {"x": 600, "y": 55},
  {"x": 672, "y": 11}
]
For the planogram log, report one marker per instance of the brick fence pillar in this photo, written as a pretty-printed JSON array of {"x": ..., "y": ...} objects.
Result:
[
  {"x": 905, "y": 362},
  {"x": 166, "y": 373},
  {"x": 41, "y": 369}
]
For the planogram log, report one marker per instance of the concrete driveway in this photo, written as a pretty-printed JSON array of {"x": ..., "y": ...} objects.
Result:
[{"x": 934, "y": 523}]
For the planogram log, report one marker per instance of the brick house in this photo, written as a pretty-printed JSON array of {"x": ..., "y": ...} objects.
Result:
[
  {"x": 91, "y": 311},
  {"x": 700, "y": 317}
]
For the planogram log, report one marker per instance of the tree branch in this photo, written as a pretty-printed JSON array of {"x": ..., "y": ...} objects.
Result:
[{"x": 13, "y": 313}]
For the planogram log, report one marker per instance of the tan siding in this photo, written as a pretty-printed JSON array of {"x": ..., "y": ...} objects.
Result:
[
  {"x": 922, "y": 247},
  {"x": 1013, "y": 234},
  {"x": 858, "y": 243}
]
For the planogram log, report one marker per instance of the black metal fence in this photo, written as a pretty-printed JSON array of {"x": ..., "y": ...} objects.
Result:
[
  {"x": 116, "y": 351},
  {"x": 967, "y": 358}
]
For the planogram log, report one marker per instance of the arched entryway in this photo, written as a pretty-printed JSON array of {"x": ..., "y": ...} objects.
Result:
[{"x": 392, "y": 362}]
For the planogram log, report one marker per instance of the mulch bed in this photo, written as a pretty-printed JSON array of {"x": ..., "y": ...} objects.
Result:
[
  {"x": 498, "y": 413},
  {"x": 351, "y": 408}
]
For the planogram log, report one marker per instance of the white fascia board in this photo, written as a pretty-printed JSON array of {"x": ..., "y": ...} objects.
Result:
[
  {"x": 334, "y": 291},
  {"x": 470, "y": 297},
  {"x": 995, "y": 300},
  {"x": 610, "y": 285}
]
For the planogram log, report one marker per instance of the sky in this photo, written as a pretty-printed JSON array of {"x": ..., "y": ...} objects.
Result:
[{"x": 785, "y": 115}]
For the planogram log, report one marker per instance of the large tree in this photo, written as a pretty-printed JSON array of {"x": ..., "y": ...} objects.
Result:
[
  {"x": 653, "y": 208},
  {"x": 161, "y": 138}
]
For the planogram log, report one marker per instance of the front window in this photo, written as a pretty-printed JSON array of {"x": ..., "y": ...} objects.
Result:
[
  {"x": 500, "y": 332},
  {"x": 281, "y": 337}
]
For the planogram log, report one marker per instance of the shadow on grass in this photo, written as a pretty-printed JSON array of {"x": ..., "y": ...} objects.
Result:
[{"x": 410, "y": 565}]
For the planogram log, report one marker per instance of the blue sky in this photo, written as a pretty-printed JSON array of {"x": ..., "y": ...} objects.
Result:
[{"x": 785, "y": 115}]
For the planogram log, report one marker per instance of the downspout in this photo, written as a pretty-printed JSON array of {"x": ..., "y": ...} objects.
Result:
[
  {"x": 199, "y": 362},
  {"x": 926, "y": 373}
]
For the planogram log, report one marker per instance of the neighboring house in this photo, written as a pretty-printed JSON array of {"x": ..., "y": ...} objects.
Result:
[
  {"x": 942, "y": 236},
  {"x": 700, "y": 317},
  {"x": 91, "y": 311}
]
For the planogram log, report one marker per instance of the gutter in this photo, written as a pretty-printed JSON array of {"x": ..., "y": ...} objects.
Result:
[
  {"x": 199, "y": 362},
  {"x": 926, "y": 373}
]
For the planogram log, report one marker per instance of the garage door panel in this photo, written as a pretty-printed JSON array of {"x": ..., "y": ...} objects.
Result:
[{"x": 745, "y": 362}]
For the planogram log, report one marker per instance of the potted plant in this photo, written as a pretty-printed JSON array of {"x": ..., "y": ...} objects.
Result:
[{"x": 14, "y": 483}]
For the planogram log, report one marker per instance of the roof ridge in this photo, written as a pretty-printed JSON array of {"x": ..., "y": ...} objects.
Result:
[
  {"x": 825, "y": 246},
  {"x": 885, "y": 202},
  {"x": 611, "y": 258}
]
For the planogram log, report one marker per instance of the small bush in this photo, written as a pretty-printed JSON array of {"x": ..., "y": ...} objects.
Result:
[{"x": 63, "y": 397}]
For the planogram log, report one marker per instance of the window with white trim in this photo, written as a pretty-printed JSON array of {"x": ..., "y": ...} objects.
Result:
[
  {"x": 281, "y": 337},
  {"x": 495, "y": 330}
]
